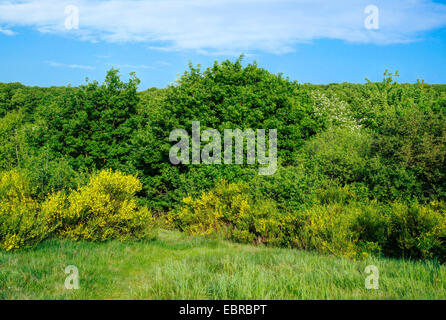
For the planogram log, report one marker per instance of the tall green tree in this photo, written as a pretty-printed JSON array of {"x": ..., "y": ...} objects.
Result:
[{"x": 92, "y": 125}]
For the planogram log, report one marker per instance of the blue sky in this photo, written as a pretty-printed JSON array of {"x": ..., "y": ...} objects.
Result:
[{"x": 317, "y": 41}]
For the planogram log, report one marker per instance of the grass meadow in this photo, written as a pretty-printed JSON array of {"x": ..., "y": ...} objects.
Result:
[{"x": 177, "y": 266}]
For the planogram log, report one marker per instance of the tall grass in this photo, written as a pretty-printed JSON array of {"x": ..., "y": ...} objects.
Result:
[{"x": 175, "y": 266}]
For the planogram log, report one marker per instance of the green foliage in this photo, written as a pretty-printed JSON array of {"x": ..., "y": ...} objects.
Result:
[
  {"x": 340, "y": 153},
  {"x": 404, "y": 127},
  {"x": 91, "y": 125},
  {"x": 410, "y": 153},
  {"x": 337, "y": 224},
  {"x": 228, "y": 211},
  {"x": 291, "y": 187},
  {"x": 362, "y": 168},
  {"x": 225, "y": 96},
  {"x": 12, "y": 138},
  {"x": 417, "y": 231}
]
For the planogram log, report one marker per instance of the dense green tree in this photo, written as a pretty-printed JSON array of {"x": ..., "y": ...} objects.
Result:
[
  {"x": 91, "y": 125},
  {"x": 386, "y": 136},
  {"x": 224, "y": 96}
]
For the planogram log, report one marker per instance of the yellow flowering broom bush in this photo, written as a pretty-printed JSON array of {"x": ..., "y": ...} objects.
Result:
[
  {"x": 341, "y": 227},
  {"x": 214, "y": 212},
  {"x": 105, "y": 208},
  {"x": 417, "y": 231},
  {"x": 327, "y": 229},
  {"x": 229, "y": 211},
  {"x": 22, "y": 223}
]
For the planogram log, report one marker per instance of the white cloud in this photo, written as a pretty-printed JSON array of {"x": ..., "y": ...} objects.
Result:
[
  {"x": 162, "y": 63},
  {"x": 210, "y": 26},
  {"x": 7, "y": 32},
  {"x": 155, "y": 65},
  {"x": 132, "y": 66},
  {"x": 71, "y": 66}
]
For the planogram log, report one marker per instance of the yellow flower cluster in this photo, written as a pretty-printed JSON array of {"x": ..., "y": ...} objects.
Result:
[
  {"x": 354, "y": 230},
  {"x": 105, "y": 208},
  {"x": 227, "y": 211},
  {"x": 21, "y": 220}
]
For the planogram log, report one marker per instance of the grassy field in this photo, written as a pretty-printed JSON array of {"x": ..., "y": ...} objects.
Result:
[{"x": 175, "y": 266}]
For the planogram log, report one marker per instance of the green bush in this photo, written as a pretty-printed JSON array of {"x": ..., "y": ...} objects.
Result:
[
  {"x": 333, "y": 192},
  {"x": 228, "y": 211},
  {"x": 416, "y": 231},
  {"x": 340, "y": 223},
  {"x": 292, "y": 187},
  {"x": 227, "y": 95},
  {"x": 327, "y": 229},
  {"x": 340, "y": 153}
]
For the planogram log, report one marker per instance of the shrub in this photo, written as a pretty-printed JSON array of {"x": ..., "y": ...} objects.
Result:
[
  {"x": 371, "y": 227},
  {"x": 335, "y": 111},
  {"x": 201, "y": 179},
  {"x": 105, "y": 208},
  {"x": 332, "y": 192},
  {"x": 292, "y": 188},
  {"x": 358, "y": 229},
  {"x": 22, "y": 223},
  {"x": 340, "y": 222},
  {"x": 213, "y": 211},
  {"x": 416, "y": 231},
  {"x": 410, "y": 152},
  {"x": 230, "y": 212},
  {"x": 340, "y": 153},
  {"x": 327, "y": 229}
]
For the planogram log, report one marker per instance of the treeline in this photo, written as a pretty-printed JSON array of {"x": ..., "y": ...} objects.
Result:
[{"x": 362, "y": 168}]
